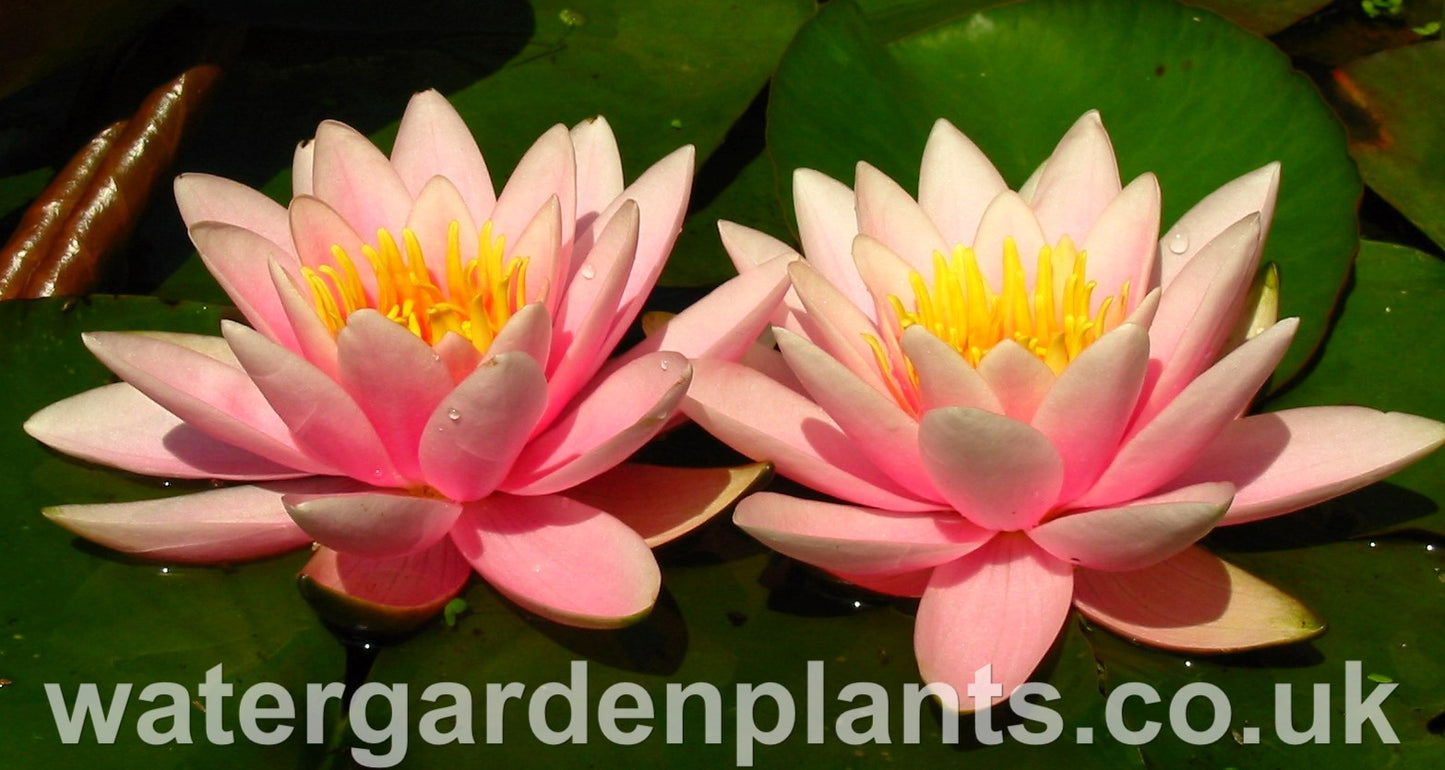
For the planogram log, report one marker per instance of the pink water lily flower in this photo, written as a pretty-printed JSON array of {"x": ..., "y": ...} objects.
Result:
[
  {"x": 424, "y": 388},
  {"x": 1027, "y": 404}
]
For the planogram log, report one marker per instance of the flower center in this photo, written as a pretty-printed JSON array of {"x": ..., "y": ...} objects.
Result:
[
  {"x": 475, "y": 300},
  {"x": 1051, "y": 319}
]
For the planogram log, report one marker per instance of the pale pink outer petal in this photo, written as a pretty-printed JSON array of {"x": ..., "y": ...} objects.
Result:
[
  {"x": 1123, "y": 244},
  {"x": 240, "y": 261},
  {"x": 477, "y": 431},
  {"x": 1078, "y": 182},
  {"x": 857, "y": 541},
  {"x": 1089, "y": 406},
  {"x": 586, "y": 314},
  {"x": 956, "y": 182},
  {"x": 206, "y": 198},
  {"x": 889, "y": 214},
  {"x": 1144, "y": 532},
  {"x": 1194, "y": 602},
  {"x": 944, "y": 377},
  {"x": 622, "y": 410},
  {"x": 323, "y": 419},
  {"x": 827, "y": 223},
  {"x": 727, "y": 321},
  {"x": 439, "y": 204},
  {"x": 422, "y": 580},
  {"x": 884, "y": 273},
  {"x": 1008, "y": 216},
  {"x": 357, "y": 180},
  {"x": 218, "y": 525},
  {"x": 434, "y": 141},
  {"x": 1161, "y": 450},
  {"x": 1199, "y": 311},
  {"x": 119, "y": 426},
  {"x": 1001, "y": 606},
  {"x": 998, "y": 472},
  {"x": 599, "y": 168},
  {"x": 662, "y": 504},
  {"x": 317, "y": 230},
  {"x": 560, "y": 558},
  {"x": 373, "y": 523},
  {"x": 749, "y": 248},
  {"x": 548, "y": 169},
  {"x": 1287, "y": 460},
  {"x": 1017, "y": 378},
  {"x": 767, "y": 421},
  {"x": 396, "y": 379},
  {"x": 212, "y": 395},
  {"x": 834, "y": 323},
  {"x": 1254, "y": 192},
  {"x": 882, "y": 431},
  {"x": 303, "y": 167}
]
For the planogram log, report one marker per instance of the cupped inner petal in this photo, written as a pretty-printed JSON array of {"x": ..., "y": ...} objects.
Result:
[
  {"x": 998, "y": 472},
  {"x": 1137, "y": 535},
  {"x": 374, "y": 524}
]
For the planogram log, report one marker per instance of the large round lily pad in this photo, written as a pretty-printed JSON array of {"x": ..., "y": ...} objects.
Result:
[{"x": 1183, "y": 93}]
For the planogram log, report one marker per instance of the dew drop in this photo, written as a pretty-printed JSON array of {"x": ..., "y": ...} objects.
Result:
[
  {"x": 453, "y": 414},
  {"x": 1179, "y": 242},
  {"x": 589, "y": 272},
  {"x": 664, "y": 366}
]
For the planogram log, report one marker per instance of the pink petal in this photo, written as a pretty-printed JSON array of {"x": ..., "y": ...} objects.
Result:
[
  {"x": 749, "y": 248},
  {"x": 599, "y": 168},
  {"x": 835, "y": 324},
  {"x": 541, "y": 243},
  {"x": 240, "y": 261},
  {"x": 621, "y": 411},
  {"x": 884, "y": 273},
  {"x": 1252, "y": 193},
  {"x": 1123, "y": 244},
  {"x": 303, "y": 163},
  {"x": 460, "y": 356},
  {"x": 1007, "y": 216},
  {"x": 218, "y": 525},
  {"x": 882, "y": 431},
  {"x": 323, "y": 419},
  {"x": 529, "y": 331},
  {"x": 956, "y": 182},
  {"x": 439, "y": 205},
  {"x": 318, "y": 229},
  {"x": 397, "y": 381},
  {"x": 1079, "y": 181},
  {"x": 415, "y": 586},
  {"x": 213, "y": 396},
  {"x": 727, "y": 321},
  {"x": 827, "y": 223},
  {"x": 767, "y": 421},
  {"x": 1199, "y": 311},
  {"x": 857, "y": 541},
  {"x": 313, "y": 338},
  {"x": 1018, "y": 379},
  {"x": 1194, "y": 602},
  {"x": 1001, "y": 606},
  {"x": 662, "y": 504},
  {"x": 549, "y": 169},
  {"x": 945, "y": 378},
  {"x": 1284, "y": 461},
  {"x": 998, "y": 472},
  {"x": 477, "y": 431},
  {"x": 561, "y": 559},
  {"x": 589, "y": 309},
  {"x": 906, "y": 584},
  {"x": 1161, "y": 450},
  {"x": 434, "y": 141},
  {"x": 357, "y": 180},
  {"x": 889, "y": 214},
  {"x": 1137, "y": 535},
  {"x": 119, "y": 426},
  {"x": 374, "y": 524},
  {"x": 1089, "y": 406},
  {"x": 206, "y": 198}
]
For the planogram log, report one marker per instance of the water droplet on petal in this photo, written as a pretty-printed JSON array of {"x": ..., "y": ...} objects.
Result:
[
  {"x": 454, "y": 414},
  {"x": 1179, "y": 242},
  {"x": 589, "y": 272},
  {"x": 664, "y": 366}
]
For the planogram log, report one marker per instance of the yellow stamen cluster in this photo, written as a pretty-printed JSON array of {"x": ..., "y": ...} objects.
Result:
[
  {"x": 1052, "y": 320},
  {"x": 476, "y": 298}
]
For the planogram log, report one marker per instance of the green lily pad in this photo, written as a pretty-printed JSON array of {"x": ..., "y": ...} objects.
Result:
[
  {"x": 1398, "y": 132},
  {"x": 1262, "y": 17},
  {"x": 1183, "y": 94}
]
